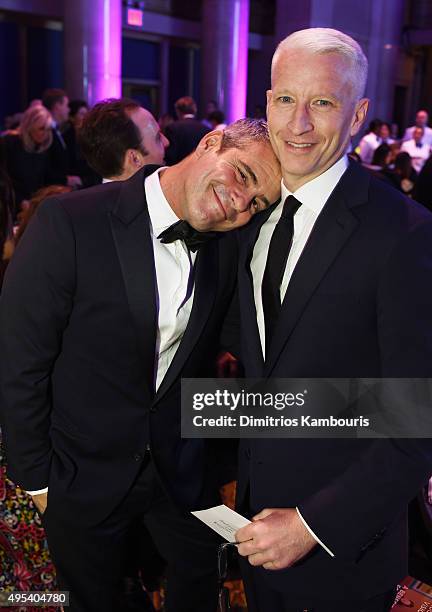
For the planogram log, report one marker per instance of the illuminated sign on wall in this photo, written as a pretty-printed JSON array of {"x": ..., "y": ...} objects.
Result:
[{"x": 134, "y": 17}]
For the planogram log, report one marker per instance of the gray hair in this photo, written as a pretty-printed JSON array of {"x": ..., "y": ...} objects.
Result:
[
  {"x": 326, "y": 40},
  {"x": 244, "y": 132}
]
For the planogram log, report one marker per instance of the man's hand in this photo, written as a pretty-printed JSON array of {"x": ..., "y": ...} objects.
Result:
[
  {"x": 275, "y": 539},
  {"x": 40, "y": 501}
]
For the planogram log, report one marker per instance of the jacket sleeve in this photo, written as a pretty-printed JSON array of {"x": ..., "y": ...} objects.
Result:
[
  {"x": 35, "y": 306},
  {"x": 354, "y": 512}
]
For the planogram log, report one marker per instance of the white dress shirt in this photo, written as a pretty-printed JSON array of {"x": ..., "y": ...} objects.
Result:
[
  {"x": 367, "y": 146},
  {"x": 174, "y": 265},
  {"x": 313, "y": 196},
  {"x": 418, "y": 154},
  {"x": 427, "y": 136}
]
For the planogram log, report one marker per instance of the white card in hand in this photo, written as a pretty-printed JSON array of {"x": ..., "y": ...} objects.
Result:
[{"x": 223, "y": 520}]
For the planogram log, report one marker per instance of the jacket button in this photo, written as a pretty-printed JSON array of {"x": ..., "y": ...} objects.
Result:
[
  {"x": 152, "y": 409},
  {"x": 137, "y": 456}
]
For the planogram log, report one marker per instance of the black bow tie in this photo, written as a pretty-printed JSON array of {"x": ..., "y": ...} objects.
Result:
[
  {"x": 419, "y": 145},
  {"x": 183, "y": 231}
]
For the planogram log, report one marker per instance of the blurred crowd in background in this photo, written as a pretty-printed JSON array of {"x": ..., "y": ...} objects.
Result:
[{"x": 58, "y": 145}]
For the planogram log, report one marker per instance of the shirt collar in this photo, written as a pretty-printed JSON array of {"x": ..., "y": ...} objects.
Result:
[
  {"x": 314, "y": 194},
  {"x": 161, "y": 214}
]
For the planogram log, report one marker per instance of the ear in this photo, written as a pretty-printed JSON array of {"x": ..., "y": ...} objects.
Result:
[
  {"x": 360, "y": 113},
  {"x": 269, "y": 95},
  {"x": 210, "y": 142},
  {"x": 133, "y": 160}
]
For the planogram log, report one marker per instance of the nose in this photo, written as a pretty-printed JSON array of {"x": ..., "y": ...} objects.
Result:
[
  {"x": 300, "y": 120},
  {"x": 165, "y": 141},
  {"x": 241, "y": 200}
]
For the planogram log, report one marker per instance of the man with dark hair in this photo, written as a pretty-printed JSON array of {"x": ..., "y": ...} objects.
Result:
[
  {"x": 185, "y": 133},
  {"x": 77, "y": 164},
  {"x": 417, "y": 148},
  {"x": 57, "y": 102},
  {"x": 106, "y": 304},
  {"x": 370, "y": 141},
  {"x": 118, "y": 137},
  {"x": 217, "y": 120}
]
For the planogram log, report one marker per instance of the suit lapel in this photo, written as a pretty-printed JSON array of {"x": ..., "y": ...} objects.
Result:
[
  {"x": 332, "y": 230},
  {"x": 131, "y": 231},
  {"x": 206, "y": 275}
]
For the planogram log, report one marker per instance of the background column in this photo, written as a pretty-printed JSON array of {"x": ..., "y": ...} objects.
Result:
[
  {"x": 224, "y": 56},
  {"x": 93, "y": 49},
  {"x": 383, "y": 52}
]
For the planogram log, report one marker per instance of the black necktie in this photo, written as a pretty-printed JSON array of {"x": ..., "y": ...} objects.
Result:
[
  {"x": 280, "y": 246},
  {"x": 183, "y": 231}
]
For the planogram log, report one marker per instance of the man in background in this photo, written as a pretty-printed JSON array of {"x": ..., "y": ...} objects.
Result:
[
  {"x": 118, "y": 137},
  {"x": 421, "y": 121},
  {"x": 185, "y": 133},
  {"x": 57, "y": 102},
  {"x": 370, "y": 141},
  {"x": 417, "y": 148}
]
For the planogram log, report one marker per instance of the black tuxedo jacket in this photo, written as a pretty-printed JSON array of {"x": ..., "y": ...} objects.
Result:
[
  {"x": 77, "y": 344},
  {"x": 184, "y": 136},
  {"x": 58, "y": 159},
  {"x": 359, "y": 304}
]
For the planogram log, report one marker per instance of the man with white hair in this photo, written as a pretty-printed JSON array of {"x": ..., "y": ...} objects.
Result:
[{"x": 340, "y": 272}]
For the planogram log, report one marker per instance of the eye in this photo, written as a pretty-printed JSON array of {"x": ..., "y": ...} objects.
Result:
[
  {"x": 322, "y": 102},
  {"x": 285, "y": 99},
  {"x": 255, "y": 206},
  {"x": 243, "y": 176}
]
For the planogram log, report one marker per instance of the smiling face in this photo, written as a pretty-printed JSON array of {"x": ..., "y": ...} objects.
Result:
[
  {"x": 312, "y": 113},
  {"x": 222, "y": 190}
]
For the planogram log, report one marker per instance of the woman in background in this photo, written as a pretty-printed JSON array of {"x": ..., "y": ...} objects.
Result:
[{"x": 23, "y": 154}]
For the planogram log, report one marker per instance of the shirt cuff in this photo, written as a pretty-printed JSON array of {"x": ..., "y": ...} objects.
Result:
[
  {"x": 314, "y": 535},
  {"x": 39, "y": 492}
]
